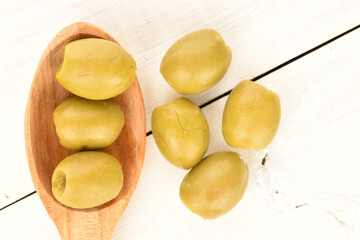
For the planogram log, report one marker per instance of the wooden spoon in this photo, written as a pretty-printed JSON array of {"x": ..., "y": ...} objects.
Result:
[{"x": 44, "y": 151}]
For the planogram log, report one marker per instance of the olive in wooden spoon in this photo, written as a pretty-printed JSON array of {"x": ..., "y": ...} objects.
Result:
[{"x": 44, "y": 151}]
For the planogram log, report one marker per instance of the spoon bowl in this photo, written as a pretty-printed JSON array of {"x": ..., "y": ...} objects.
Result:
[{"x": 44, "y": 151}]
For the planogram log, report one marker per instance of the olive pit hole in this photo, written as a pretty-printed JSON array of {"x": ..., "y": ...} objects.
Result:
[{"x": 59, "y": 182}]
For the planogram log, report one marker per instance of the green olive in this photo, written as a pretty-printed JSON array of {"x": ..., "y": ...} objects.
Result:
[
  {"x": 251, "y": 116},
  {"x": 196, "y": 62},
  {"x": 88, "y": 124},
  {"x": 181, "y": 132},
  {"x": 96, "y": 68},
  {"x": 87, "y": 179},
  {"x": 214, "y": 186}
]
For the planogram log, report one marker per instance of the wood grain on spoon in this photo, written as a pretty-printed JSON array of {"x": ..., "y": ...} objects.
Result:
[{"x": 44, "y": 151}]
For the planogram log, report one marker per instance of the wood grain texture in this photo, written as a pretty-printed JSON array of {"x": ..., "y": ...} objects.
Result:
[
  {"x": 44, "y": 151},
  {"x": 307, "y": 188},
  {"x": 261, "y": 33}
]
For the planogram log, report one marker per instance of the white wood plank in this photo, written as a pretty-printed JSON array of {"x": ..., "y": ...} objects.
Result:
[
  {"x": 308, "y": 188},
  {"x": 262, "y": 34},
  {"x": 29, "y": 220}
]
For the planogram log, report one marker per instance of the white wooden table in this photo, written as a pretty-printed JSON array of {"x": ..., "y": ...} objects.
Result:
[{"x": 306, "y": 51}]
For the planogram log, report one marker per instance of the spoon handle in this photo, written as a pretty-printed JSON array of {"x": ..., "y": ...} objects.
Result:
[{"x": 85, "y": 225}]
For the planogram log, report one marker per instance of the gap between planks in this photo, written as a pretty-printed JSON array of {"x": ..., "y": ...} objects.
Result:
[{"x": 253, "y": 79}]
